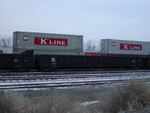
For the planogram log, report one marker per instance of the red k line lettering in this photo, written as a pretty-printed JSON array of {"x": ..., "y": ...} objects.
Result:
[
  {"x": 50, "y": 41},
  {"x": 137, "y": 47}
]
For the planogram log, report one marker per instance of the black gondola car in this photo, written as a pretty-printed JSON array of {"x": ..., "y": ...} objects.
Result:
[
  {"x": 82, "y": 62},
  {"x": 17, "y": 61},
  {"x": 147, "y": 62}
]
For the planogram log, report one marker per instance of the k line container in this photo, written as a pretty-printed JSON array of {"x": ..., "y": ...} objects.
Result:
[
  {"x": 46, "y": 43},
  {"x": 111, "y": 46}
]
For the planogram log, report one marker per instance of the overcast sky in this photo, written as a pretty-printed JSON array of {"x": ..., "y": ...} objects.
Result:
[{"x": 94, "y": 19}]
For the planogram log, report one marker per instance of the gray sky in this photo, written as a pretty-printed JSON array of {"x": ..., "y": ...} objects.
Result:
[{"x": 95, "y": 19}]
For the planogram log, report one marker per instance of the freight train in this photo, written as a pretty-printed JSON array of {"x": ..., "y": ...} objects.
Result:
[
  {"x": 27, "y": 61},
  {"x": 44, "y": 51}
]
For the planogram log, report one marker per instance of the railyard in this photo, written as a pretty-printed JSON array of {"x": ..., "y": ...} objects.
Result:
[{"x": 49, "y": 66}]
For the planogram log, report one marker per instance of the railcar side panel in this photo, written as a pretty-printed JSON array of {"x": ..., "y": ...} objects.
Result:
[{"x": 12, "y": 61}]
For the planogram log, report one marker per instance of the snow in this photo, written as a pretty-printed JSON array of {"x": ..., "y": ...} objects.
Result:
[
  {"x": 102, "y": 78},
  {"x": 89, "y": 103}
]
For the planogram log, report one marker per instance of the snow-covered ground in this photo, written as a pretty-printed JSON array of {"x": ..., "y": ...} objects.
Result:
[{"x": 98, "y": 78}]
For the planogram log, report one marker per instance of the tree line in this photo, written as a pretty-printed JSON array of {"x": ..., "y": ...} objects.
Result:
[{"x": 6, "y": 41}]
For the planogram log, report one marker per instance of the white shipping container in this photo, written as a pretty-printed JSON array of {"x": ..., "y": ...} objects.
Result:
[
  {"x": 112, "y": 46},
  {"x": 46, "y": 43}
]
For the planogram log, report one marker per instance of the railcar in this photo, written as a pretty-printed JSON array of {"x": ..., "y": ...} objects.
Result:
[
  {"x": 48, "y": 51},
  {"x": 28, "y": 60},
  {"x": 17, "y": 62},
  {"x": 146, "y": 64},
  {"x": 89, "y": 62}
]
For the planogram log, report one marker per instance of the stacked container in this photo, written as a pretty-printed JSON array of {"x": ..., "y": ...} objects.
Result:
[
  {"x": 46, "y": 43},
  {"x": 111, "y": 46}
]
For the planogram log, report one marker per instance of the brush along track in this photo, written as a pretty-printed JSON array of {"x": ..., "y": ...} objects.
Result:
[{"x": 22, "y": 81}]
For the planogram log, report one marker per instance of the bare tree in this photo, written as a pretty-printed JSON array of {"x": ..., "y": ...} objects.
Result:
[
  {"x": 6, "y": 41},
  {"x": 90, "y": 45}
]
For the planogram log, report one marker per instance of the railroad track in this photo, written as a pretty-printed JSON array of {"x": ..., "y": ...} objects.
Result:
[
  {"x": 25, "y": 81},
  {"x": 6, "y": 73}
]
